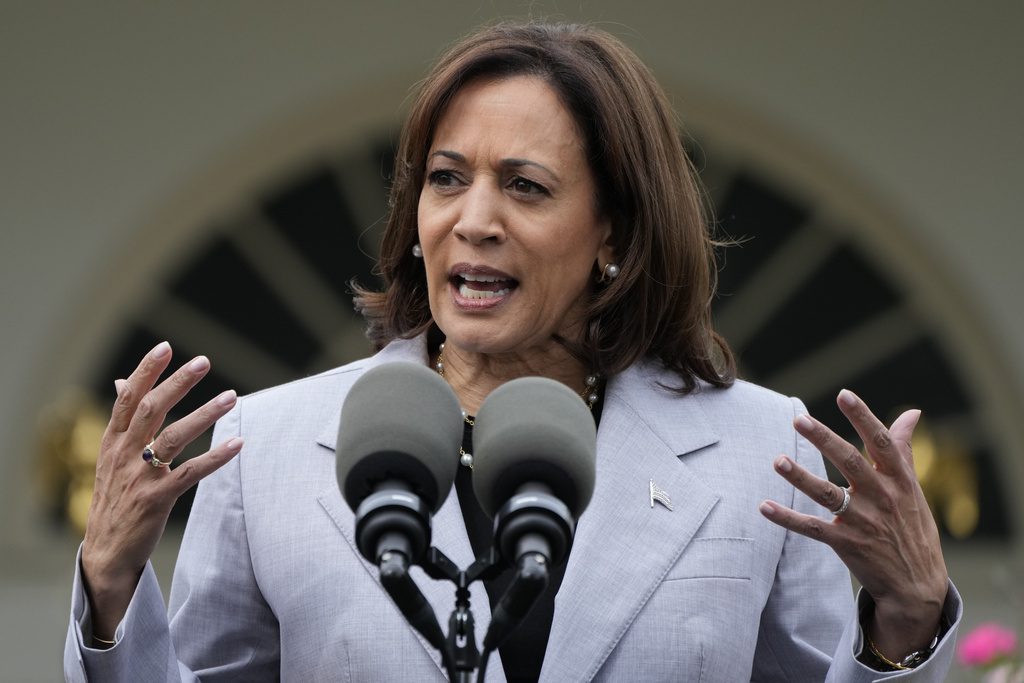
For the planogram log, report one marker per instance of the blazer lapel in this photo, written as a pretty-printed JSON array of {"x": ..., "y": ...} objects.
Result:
[{"x": 624, "y": 546}]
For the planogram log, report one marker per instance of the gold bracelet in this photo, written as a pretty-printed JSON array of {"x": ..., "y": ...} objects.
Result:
[
  {"x": 103, "y": 641},
  {"x": 911, "y": 661},
  {"x": 885, "y": 660}
]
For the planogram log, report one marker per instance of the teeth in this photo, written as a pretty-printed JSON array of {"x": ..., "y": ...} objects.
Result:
[
  {"x": 480, "y": 278},
  {"x": 465, "y": 291}
]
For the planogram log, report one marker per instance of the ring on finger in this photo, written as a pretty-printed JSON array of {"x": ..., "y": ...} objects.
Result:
[
  {"x": 149, "y": 455},
  {"x": 846, "y": 501}
]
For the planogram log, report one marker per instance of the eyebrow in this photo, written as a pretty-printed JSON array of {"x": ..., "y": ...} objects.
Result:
[{"x": 509, "y": 162}]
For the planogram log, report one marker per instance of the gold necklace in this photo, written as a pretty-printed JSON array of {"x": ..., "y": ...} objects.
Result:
[{"x": 589, "y": 396}]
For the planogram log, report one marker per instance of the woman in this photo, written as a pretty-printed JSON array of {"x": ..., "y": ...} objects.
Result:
[{"x": 545, "y": 221}]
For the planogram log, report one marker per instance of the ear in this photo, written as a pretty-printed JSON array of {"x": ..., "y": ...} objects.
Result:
[{"x": 606, "y": 252}]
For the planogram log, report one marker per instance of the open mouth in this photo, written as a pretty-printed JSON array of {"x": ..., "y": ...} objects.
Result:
[{"x": 483, "y": 286}]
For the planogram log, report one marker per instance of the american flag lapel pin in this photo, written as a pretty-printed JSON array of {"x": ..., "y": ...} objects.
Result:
[{"x": 661, "y": 495}]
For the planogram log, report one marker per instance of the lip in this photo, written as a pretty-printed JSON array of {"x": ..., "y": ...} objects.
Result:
[
  {"x": 472, "y": 304},
  {"x": 470, "y": 269}
]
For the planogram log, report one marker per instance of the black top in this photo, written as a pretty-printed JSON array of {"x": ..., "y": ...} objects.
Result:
[{"x": 522, "y": 653}]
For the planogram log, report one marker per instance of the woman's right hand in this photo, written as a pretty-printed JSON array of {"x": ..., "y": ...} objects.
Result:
[{"x": 132, "y": 499}]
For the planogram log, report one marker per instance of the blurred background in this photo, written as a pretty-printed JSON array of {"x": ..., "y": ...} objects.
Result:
[{"x": 214, "y": 174}]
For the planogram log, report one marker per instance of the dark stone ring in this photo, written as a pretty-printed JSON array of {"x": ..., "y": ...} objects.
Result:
[{"x": 149, "y": 455}]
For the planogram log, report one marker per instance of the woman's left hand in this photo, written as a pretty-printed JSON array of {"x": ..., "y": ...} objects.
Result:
[{"x": 886, "y": 536}]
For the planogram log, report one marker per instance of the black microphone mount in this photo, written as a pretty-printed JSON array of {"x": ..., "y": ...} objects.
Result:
[{"x": 533, "y": 531}]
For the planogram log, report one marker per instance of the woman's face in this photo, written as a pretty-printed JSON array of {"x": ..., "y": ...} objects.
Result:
[{"x": 508, "y": 219}]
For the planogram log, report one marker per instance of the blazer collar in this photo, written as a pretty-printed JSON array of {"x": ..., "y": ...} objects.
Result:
[
  {"x": 679, "y": 423},
  {"x": 408, "y": 350}
]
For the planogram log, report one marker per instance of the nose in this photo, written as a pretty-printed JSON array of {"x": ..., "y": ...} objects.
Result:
[{"x": 480, "y": 217}]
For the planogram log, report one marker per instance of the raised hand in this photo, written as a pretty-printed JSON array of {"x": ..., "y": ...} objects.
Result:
[
  {"x": 886, "y": 534},
  {"x": 133, "y": 495}
]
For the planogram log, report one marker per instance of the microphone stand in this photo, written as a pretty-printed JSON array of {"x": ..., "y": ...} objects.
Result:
[
  {"x": 534, "y": 527},
  {"x": 459, "y": 653},
  {"x": 460, "y": 646}
]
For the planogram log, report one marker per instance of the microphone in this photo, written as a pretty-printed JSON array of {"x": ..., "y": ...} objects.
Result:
[
  {"x": 400, "y": 431},
  {"x": 535, "y": 448}
]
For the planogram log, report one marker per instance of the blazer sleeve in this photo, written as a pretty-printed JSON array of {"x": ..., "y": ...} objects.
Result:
[
  {"x": 143, "y": 650},
  {"x": 218, "y": 628},
  {"x": 811, "y": 609}
]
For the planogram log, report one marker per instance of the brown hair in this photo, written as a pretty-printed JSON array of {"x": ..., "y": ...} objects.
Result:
[{"x": 660, "y": 304}]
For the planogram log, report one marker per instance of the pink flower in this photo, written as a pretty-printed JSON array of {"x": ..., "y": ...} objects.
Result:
[{"x": 987, "y": 644}]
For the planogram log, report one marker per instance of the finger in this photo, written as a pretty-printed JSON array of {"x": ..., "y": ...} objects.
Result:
[
  {"x": 118, "y": 386},
  {"x": 876, "y": 437},
  {"x": 138, "y": 383},
  {"x": 902, "y": 431},
  {"x": 187, "y": 474},
  {"x": 173, "y": 439},
  {"x": 152, "y": 409},
  {"x": 806, "y": 525},
  {"x": 821, "y": 491},
  {"x": 850, "y": 462}
]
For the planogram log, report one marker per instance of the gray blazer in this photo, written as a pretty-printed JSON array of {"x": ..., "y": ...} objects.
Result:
[{"x": 269, "y": 584}]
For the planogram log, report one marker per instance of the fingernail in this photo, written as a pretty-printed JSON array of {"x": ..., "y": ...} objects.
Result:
[
  {"x": 160, "y": 350},
  {"x": 782, "y": 464},
  {"x": 847, "y": 398},
  {"x": 804, "y": 423},
  {"x": 235, "y": 444},
  {"x": 119, "y": 385},
  {"x": 766, "y": 509},
  {"x": 199, "y": 363},
  {"x": 227, "y": 398}
]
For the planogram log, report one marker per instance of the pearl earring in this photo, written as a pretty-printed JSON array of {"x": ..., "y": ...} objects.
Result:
[
  {"x": 609, "y": 273},
  {"x": 417, "y": 250}
]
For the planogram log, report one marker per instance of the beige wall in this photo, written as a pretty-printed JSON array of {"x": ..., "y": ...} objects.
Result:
[{"x": 123, "y": 126}]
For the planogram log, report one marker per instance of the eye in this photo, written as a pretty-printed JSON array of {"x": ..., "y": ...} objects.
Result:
[
  {"x": 521, "y": 185},
  {"x": 442, "y": 178}
]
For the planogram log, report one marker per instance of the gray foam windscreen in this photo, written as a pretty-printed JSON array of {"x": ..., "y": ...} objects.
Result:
[
  {"x": 534, "y": 430},
  {"x": 400, "y": 421}
]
